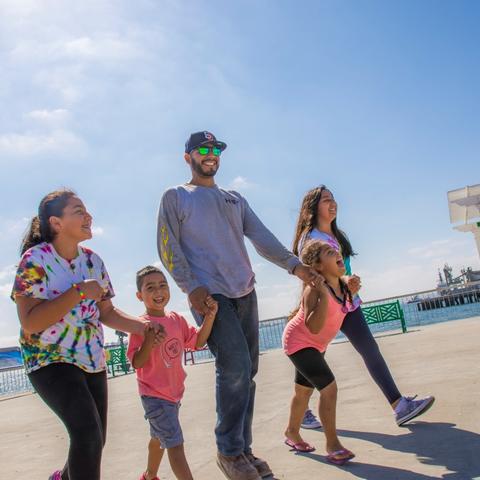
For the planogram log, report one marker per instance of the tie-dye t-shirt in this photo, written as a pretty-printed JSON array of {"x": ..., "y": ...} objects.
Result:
[{"x": 77, "y": 338}]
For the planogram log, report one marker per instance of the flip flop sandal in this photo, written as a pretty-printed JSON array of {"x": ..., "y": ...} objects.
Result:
[
  {"x": 303, "y": 447},
  {"x": 331, "y": 457},
  {"x": 143, "y": 477}
]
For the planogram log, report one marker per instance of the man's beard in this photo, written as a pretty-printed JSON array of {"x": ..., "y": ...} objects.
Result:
[{"x": 200, "y": 170}]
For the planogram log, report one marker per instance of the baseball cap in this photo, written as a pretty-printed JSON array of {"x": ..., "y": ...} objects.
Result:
[{"x": 198, "y": 139}]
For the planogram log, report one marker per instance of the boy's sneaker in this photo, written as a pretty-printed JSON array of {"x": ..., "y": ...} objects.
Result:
[
  {"x": 56, "y": 475},
  {"x": 260, "y": 465},
  {"x": 310, "y": 420},
  {"x": 237, "y": 467},
  {"x": 409, "y": 408}
]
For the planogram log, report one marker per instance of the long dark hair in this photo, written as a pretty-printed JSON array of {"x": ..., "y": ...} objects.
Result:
[
  {"x": 307, "y": 221},
  {"x": 52, "y": 205}
]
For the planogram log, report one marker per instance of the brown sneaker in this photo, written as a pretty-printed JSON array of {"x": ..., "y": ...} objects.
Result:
[
  {"x": 237, "y": 467},
  {"x": 260, "y": 465}
]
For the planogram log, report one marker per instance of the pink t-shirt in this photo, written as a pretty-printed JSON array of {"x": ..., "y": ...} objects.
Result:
[
  {"x": 297, "y": 336},
  {"x": 163, "y": 375}
]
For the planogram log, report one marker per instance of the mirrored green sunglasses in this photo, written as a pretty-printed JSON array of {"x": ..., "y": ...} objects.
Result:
[{"x": 205, "y": 150}]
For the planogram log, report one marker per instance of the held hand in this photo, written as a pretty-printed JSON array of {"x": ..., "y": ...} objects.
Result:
[
  {"x": 155, "y": 330},
  {"x": 305, "y": 273},
  {"x": 198, "y": 299},
  {"x": 212, "y": 308},
  {"x": 91, "y": 289},
  {"x": 149, "y": 336},
  {"x": 354, "y": 284},
  {"x": 320, "y": 286}
]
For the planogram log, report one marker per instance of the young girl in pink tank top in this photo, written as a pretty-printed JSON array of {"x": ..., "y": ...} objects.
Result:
[{"x": 305, "y": 339}]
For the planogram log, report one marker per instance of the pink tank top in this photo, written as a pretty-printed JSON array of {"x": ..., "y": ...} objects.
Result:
[{"x": 297, "y": 336}]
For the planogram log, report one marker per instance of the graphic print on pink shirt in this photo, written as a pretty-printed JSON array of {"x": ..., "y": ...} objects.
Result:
[
  {"x": 163, "y": 375},
  {"x": 171, "y": 350}
]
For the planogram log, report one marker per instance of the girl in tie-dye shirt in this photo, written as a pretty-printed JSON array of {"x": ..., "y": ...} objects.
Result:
[
  {"x": 77, "y": 337},
  {"x": 63, "y": 295}
]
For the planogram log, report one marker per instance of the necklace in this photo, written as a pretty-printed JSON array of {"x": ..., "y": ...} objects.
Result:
[{"x": 343, "y": 300}]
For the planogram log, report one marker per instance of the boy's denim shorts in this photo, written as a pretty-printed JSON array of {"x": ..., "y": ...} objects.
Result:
[{"x": 162, "y": 416}]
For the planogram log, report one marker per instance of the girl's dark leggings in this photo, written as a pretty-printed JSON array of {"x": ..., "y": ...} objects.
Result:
[
  {"x": 79, "y": 399},
  {"x": 356, "y": 330}
]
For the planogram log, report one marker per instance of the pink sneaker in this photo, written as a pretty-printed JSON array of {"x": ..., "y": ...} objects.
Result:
[{"x": 57, "y": 475}]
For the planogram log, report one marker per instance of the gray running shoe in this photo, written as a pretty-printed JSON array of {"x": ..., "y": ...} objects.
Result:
[
  {"x": 409, "y": 408},
  {"x": 310, "y": 420}
]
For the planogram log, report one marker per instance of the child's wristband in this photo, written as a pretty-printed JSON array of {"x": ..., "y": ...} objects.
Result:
[{"x": 79, "y": 290}]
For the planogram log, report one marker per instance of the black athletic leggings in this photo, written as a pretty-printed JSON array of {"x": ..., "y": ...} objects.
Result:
[
  {"x": 356, "y": 330},
  {"x": 79, "y": 399},
  {"x": 311, "y": 369}
]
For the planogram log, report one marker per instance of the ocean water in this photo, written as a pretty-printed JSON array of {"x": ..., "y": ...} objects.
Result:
[
  {"x": 271, "y": 330},
  {"x": 14, "y": 380}
]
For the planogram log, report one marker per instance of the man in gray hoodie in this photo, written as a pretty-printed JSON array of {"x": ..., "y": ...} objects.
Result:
[{"x": 201, "y": 232}]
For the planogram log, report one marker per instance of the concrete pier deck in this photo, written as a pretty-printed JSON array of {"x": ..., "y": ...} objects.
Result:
[{"x": 442, "y": 359}]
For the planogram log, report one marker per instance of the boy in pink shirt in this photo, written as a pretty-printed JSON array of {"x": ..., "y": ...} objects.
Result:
[{"x": 160, "y": 372}]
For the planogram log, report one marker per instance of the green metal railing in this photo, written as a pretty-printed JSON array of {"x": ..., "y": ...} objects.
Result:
[
  {"x": 412, "y": 310},
  {"x": 386, "y": 312},
  {"x": 116, "y": 357},
  {"x": 117, "y": 360}
]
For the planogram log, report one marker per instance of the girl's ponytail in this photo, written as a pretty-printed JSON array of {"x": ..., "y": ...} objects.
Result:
[
  {"x": 33, "y": 236},
  {"x": 52, "y": 205}
]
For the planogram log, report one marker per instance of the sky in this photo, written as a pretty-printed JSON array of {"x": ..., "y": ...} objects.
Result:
[{"x": 377, "y": 100}]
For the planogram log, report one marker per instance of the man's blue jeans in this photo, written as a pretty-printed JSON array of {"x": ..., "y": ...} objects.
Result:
[{"x": 234, "y": 344}]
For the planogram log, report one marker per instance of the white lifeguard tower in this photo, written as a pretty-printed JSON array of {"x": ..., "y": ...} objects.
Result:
[{"x": 464, "y": 206}]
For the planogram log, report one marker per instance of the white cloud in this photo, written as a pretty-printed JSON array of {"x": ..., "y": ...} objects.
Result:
[
  {"x": 277, "y": 300},
  {"x": 9, "y": 324},
  {"x": 52, "y": 118},
  {"x": 98, "y": 231},
  {"x": 6, "y": 290},
  {"x": 67, "y": 49},
  {"x": 29, "y": 144},
  {"x": 7, "y": 275},
  {"x": 14, "y": 228},
  {"x": 19, "y": 8},
  {"x": 438, "y": 250},
  {"x": 419, "y": 269},
  {"x": 101, "y": 48},
  {"x": 7, "y": 272},
  {"x": 68, "y": 83},
  {"x": 9, "y": 341},
  {"x": 241, "y": 183},
  {"x": 259, "y": 266}
]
